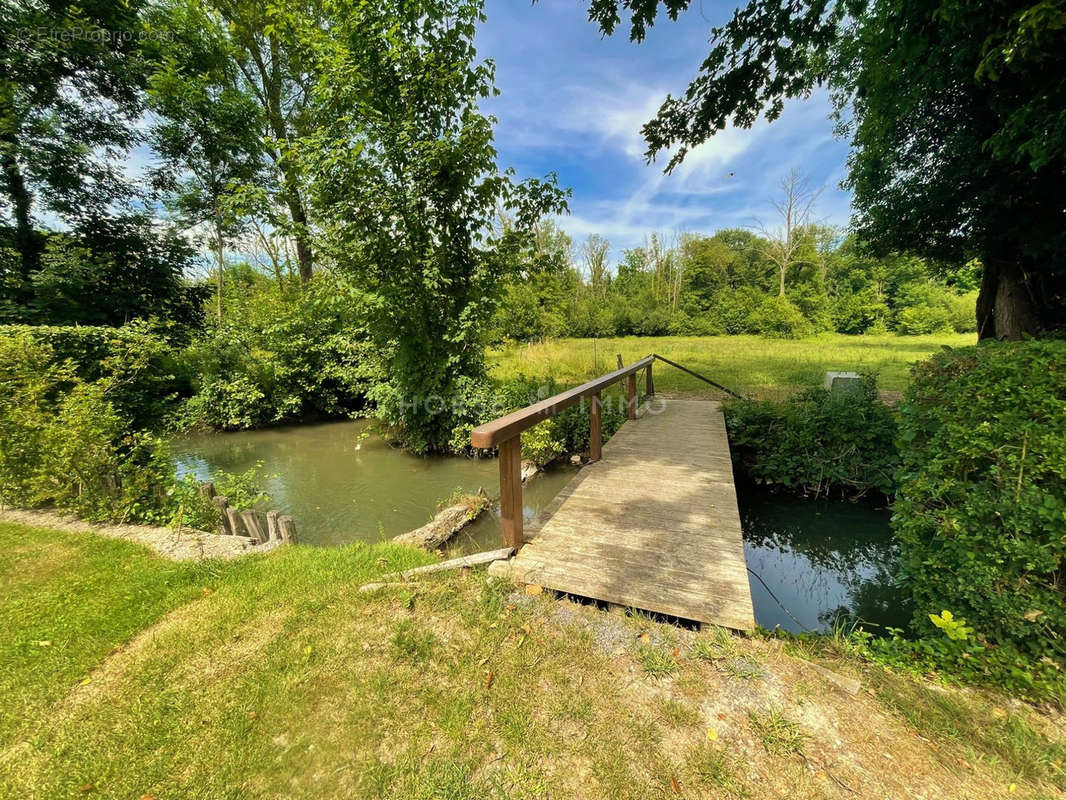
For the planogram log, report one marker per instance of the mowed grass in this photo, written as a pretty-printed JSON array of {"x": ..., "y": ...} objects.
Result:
[
  {"x": 125, "y": 676},
  {"x": 746, "y": 364}
]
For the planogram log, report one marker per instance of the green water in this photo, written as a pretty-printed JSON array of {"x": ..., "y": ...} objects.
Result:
[
  {"x": 823, "y": 560},
  {"x": 820, "y": 559},
  {"x": 341, "y": 485}
]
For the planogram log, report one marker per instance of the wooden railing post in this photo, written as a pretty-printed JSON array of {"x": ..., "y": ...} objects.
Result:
[
  {"x": 511, "y": 491},
  {"x": 595, "y": 430},
  {"x": 631, "y": 399},
  {"x": 649, "y": 384}
]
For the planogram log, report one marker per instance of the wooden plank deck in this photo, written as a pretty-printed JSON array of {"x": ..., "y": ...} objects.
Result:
[{"x": 654, "y": 525}]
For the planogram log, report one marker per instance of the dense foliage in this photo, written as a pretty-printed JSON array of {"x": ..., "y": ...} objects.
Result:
[
  {"x": 281, "y": 353},
  {"x": 957, "y": 119},
  {"x": 83, "y": 412},
  {"x": 819, "y": 443},
  {"x": 404, "y": 166},
  {"x": 138, "y": 364},
  {"x": 981, "y": 509},
  {"x": 726, "y": 283},
  {"x": 65, "y": 443},
  {"x": 105, "y": 271}
]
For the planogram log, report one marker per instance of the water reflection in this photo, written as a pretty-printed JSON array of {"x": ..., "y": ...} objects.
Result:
[
  {"x": 342, "y": 485},
  {"x": 824, "y": 561}
]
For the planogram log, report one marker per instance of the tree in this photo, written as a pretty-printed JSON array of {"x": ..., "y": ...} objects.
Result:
[
  {"x": 957, "y": 119},
  {"x": 70, "y": 81},
  {"x": 110, "y": 271},
  {"x": 783, "y": 243},
  {"x": 404, "y": 168},
  {"x": 595, "y": 252},
  {"x": 243, "y": 55},
  {"x": 208, "y": 133}
]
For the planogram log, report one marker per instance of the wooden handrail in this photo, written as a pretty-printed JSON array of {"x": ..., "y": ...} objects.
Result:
[
  {"x": 500, "y": 430},
  {"x": 505, "y": 433}
]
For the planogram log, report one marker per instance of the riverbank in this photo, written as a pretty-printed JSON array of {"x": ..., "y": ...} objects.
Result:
[
  {"x": 183, "y": 544},
  {"x": 126, "y": 675}
]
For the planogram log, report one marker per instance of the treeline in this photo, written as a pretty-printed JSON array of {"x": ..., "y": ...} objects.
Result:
[
  {"x": 728, "y": 283},
  {"x": 342, "y": 139}
]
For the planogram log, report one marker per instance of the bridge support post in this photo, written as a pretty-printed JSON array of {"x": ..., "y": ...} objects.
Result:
[
  {"x": 511, "y": 491},
  {"x": 595, "y": 430},
  {"x": 649, "y": 384},
  {"x": 631, "y": 399}
]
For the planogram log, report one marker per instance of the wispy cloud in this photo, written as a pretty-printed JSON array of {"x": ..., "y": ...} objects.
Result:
[{"x": 575, "y": 103}]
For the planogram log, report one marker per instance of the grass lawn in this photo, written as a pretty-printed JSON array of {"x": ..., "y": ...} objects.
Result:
[
  {"x": 747, "y": 364},
  {"x": 125, "y": 676}
]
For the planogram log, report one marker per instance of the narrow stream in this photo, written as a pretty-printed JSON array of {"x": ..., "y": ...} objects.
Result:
[
  {"x": 341, "y": 484},
  {"x": 822, "y": 560}
]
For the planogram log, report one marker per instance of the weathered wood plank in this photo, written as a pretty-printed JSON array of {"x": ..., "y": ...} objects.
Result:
[{"x": 653, "y": 525}]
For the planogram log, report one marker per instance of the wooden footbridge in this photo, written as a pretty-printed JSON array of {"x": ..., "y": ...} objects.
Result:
[{"x": 651, "y": 524}]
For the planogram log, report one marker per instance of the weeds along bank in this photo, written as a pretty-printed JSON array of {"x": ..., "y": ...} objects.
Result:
[{"x": 84, "y": 418}]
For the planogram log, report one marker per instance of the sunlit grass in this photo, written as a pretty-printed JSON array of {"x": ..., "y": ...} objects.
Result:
[
  {"x": 275, "y": 676},
  {"x": 747, "y": 364}
]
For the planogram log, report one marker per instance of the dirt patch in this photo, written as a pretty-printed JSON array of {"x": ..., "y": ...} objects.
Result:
[
  {"x": 185, "y": 544},
  {"x": 849, "y": 745}
]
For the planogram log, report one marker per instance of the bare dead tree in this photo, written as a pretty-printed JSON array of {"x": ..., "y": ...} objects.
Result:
[
  {"x": 594, "y": 252},
  {"x": 795, "y": 210}
]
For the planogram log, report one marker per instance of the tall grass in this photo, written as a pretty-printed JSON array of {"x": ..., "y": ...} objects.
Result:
[{"x": 747, "y": 364}]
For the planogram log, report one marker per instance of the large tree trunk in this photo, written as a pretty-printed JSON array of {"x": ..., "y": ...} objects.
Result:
[
  {"x": 304, "y": 256},
  {"x": 19, "y": 196},
  {"x": 1006, "y": 308}
]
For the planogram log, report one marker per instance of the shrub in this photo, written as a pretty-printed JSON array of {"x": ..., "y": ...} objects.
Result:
[
  {"x": 923, "y": 319},
  {"x": 778, "y": 318},
  {"x": 566, "y": 432},
  {"x": 281, "y": 354},
  {"x": 733, "y": 309},
  {"x": 858, "y": 312},
  {"x": 817, "y": 443},
  {"x": 65, "y": 444},
  {"x": 981, "y": 509},
  {"x": 540, "y": 445},
  {"x": 137, "y": 360}
]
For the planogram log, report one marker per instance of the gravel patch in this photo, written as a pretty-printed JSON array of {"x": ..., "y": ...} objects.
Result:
[{"x": 186, "y": 544}]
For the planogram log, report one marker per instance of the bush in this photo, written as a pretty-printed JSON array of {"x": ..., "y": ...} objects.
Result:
[
  {"x": 734, "y": 309},
  {"x": 858, "y": 312},
  {"x": 818, "y": 443},
  {"x": 778, "y": 318},
  {"x": 566, "y": 432},
  {"x": 924, "y": 319},
  {"x": 64, "y": 444},
  {"x": 136, "y": 360},
  {"x": 981, "y": 510},
  {"x": 281, "y": 354}
]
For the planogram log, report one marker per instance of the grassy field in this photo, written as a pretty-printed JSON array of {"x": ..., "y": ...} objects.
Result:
[
  {"x": 747, "y": 364},
  {"x": 127, "y": 676}
]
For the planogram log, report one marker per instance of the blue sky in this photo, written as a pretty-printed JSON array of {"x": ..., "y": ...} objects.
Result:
[{"x": 573, "y": 102}]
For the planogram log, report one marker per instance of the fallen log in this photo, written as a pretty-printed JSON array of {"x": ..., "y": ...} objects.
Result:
[
  {"x": 404, "y": 578},
  {"x": 459, "y": 563},
  {"x": 445, "y": 524}
]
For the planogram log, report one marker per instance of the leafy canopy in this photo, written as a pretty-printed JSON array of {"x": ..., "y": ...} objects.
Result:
[
  {"x": 404, "y": 172},
  {"x": 956, "y": 113}
]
